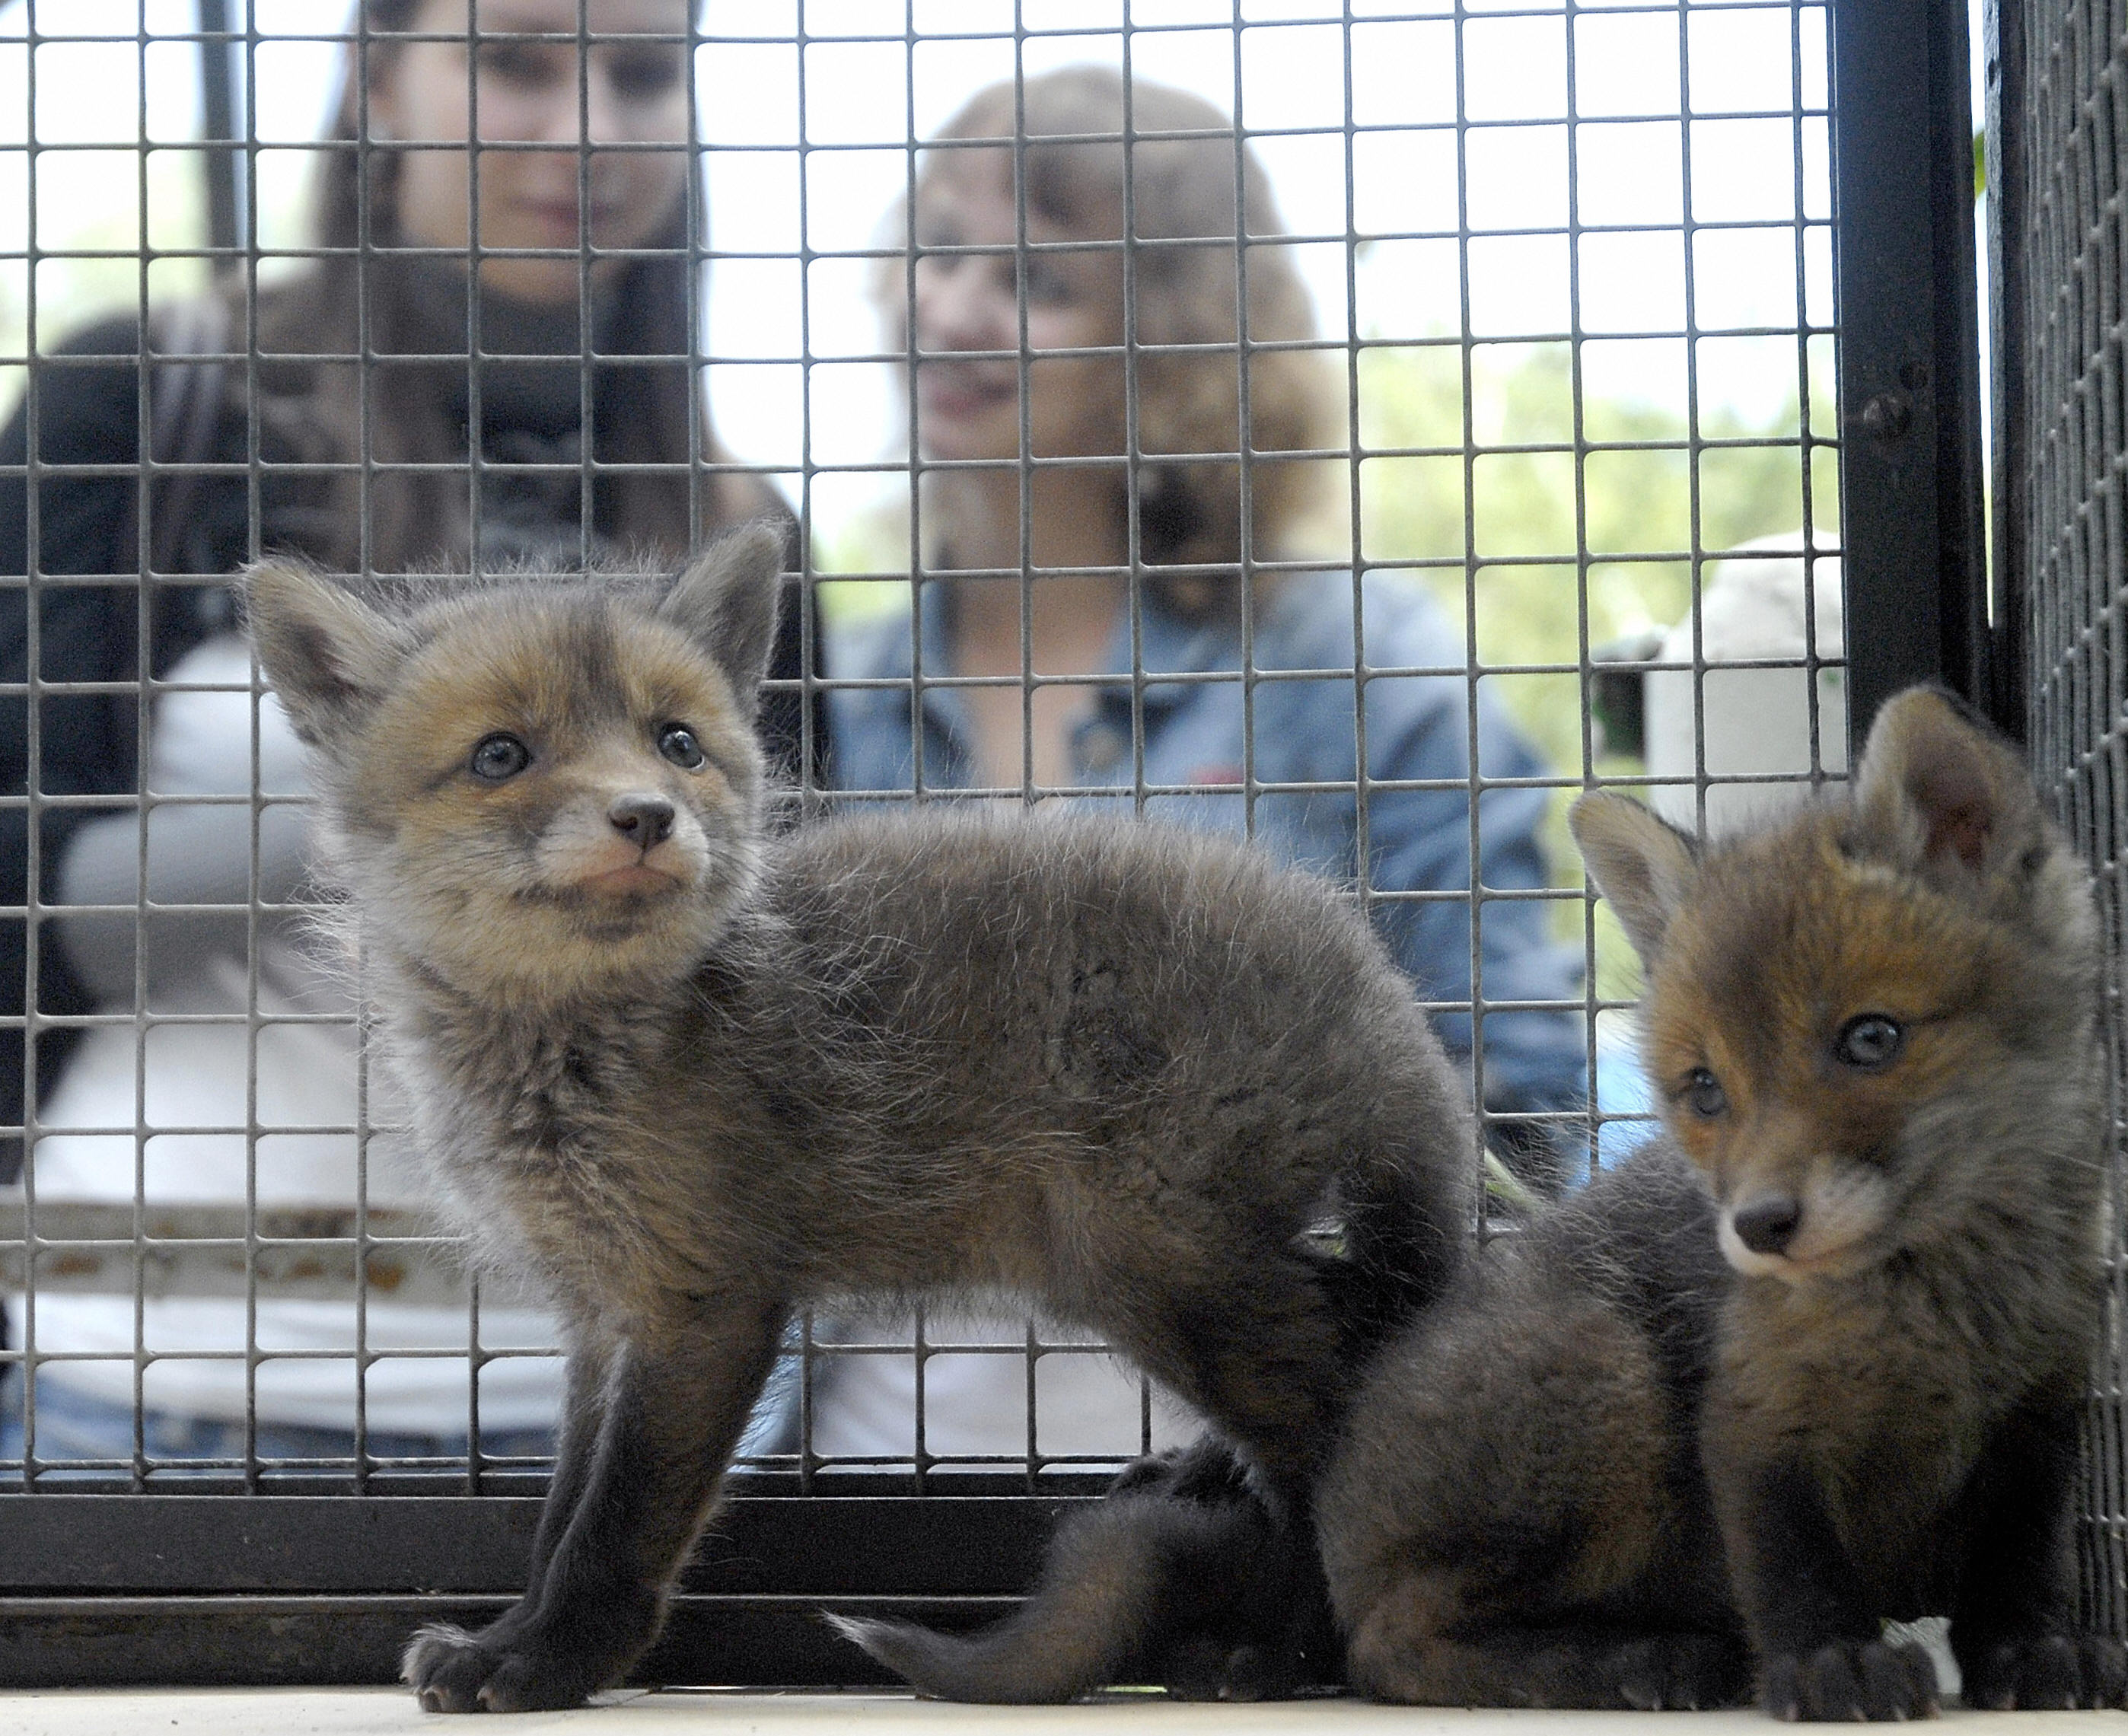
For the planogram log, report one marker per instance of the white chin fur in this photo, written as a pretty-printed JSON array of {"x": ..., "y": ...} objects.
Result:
[
  {"x": 1806, "y": 1259},
  {"x": 1751, "y": 1263}
]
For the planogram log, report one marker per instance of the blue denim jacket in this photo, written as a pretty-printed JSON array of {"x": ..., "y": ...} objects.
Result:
[{"x": 1199, "y": 734}]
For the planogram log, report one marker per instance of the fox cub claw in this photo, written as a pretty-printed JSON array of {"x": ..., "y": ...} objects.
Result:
[
  {"x": 452, "y": 1671},
  {"x": 2049, "y": 1672},
  {"x": 1683, "y": 1673},
  {"x": 1852, "y": 1679}
]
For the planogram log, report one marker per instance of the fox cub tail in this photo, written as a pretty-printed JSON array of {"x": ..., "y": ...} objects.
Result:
[{"x": 1180, "y": 1576}]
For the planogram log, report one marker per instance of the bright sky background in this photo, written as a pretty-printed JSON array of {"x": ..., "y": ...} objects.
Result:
[{"x": 1283, "y": 61}]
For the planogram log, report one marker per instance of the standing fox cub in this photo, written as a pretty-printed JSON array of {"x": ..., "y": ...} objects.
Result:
[
  {"x": 692, "y": 1076},
  {"x": 1816, "y": 1359}
]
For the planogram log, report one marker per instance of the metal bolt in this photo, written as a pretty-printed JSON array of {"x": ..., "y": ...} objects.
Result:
[{"x": 1888, "y": 414}]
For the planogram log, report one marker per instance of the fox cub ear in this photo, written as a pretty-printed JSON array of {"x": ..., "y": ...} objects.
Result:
[
  {"x": 327, "y": 653},
  {"x": 1645, "y": 867},
  {"x": 1936, "y": 791},
  {"x": 725, "y": 601}
]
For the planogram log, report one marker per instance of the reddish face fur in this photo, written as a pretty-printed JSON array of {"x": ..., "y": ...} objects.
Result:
[
  {"x": 1786, "y": 944},
  {"x": 530, "y": 876}
]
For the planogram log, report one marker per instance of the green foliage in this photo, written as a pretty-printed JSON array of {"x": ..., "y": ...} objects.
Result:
[
  {"x": 1528, "y": 550},
  {"x": 1506, "y": 529},
  {"x": 874, "y": 543}
]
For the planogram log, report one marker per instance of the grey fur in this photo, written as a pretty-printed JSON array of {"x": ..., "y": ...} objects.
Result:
[
  {"x": 1182, "y": 1576},
  {"x": 1612, "y": 1468},
  {"x": 1108, "y": 1068}
]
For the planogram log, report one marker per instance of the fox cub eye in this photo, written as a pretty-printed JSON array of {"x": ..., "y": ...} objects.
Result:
[
  {"x": 676, "y": 742},
  {"x": 497, "y": 757},
  {"x": 1703, "y": 1095},
  {"x": 1869, "y": 1042}
]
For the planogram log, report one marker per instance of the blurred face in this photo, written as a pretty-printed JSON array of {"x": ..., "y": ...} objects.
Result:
[
  {"x": 968, "y": 405},
  {"x": 633, "y": 91}
]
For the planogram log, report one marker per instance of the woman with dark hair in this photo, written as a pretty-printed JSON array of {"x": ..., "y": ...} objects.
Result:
[
  {"x": 1117, "y": 601},
  {"x": 584, "y": 257},
  {"x": 489, "y": 358}
]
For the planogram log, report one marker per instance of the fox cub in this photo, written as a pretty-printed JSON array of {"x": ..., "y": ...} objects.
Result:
[
  {"x": 1817, "y": 1357},
  {"x": 692, "y": 1075}
]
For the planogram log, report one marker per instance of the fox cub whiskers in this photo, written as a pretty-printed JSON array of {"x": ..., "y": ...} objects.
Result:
[
  {"x": 690, "y": 1076},
  {"x": 1816, "y": 1358}
]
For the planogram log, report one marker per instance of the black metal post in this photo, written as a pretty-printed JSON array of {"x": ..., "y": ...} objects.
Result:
[
  {"x": 223, "y": 171},
  {"x": 1911, "y": 519},
  {"x": 2011, "y": 477}
]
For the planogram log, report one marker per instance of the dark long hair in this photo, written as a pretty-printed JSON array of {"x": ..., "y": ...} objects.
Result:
[{"x": 413, "y": 414}]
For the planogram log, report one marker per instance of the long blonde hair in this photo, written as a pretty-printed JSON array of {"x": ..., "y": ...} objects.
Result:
[{"x": 1065, "y": 130}]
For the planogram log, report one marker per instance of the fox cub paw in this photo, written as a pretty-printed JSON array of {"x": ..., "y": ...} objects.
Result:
[
  {"x": 1682, "y": 1672},
  {"x": 1852, "y": 1679},
  {"x": 1265, "y": 1655},
  {"x": 2052, "y": 1672},
  {"x": 451, "y": 1670},
  {"x": 1204, "y": 1667}
]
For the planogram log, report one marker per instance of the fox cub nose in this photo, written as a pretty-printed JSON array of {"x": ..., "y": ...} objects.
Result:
[
  {"x": 643, "y": 820},
  {"x": 1768, "y": 1225}
]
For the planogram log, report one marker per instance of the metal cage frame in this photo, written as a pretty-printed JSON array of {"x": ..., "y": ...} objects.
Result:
[{"x": 229, "y": 1581}]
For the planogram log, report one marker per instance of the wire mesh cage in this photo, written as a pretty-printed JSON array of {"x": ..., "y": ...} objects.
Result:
[
  {"x": 1451, "y": 351},
  {"x": 1360, "y": 428},
  {"x": 2059, "y": 153}
]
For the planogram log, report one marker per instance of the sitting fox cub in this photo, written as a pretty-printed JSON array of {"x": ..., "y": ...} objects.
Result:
[
  {"x": 1817, "y": 1357},
  {"x": 1814, "y": 1359},
  {"x": 693, "y": 1076}
]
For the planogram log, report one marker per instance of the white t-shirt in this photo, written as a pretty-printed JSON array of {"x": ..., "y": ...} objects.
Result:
[
  {"x": 169, "y": 1102},
  {"x": 976, "y": 1395}
]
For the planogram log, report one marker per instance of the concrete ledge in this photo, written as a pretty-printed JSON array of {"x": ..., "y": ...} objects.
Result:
[{"x": 373, "y": 1711}]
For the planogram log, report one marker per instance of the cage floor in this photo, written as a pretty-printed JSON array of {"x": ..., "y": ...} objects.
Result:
[{"x": 361, "y": 1711}]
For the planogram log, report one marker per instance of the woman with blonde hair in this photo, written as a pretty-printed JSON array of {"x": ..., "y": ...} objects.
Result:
[
  {"x": 490, "y": 355},
  {"x": 1116, "y": 599}
]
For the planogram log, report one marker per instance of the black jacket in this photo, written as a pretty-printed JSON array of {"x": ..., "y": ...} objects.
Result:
[{"x": 87, "y": 408}]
